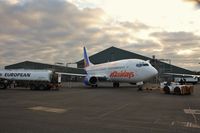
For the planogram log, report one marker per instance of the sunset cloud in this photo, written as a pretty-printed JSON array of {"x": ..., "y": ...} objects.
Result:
[{"x": 52, "y": 31}]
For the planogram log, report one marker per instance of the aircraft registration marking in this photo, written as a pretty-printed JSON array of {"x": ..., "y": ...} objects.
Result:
[{"x": 48, "y": 109}]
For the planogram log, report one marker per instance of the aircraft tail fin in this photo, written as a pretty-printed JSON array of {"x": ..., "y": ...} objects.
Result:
[{"x": 86, "y": 58}]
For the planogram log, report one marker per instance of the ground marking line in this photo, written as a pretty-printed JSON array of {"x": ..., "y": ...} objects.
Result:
[
  {"x": 185, "y": 124},
  {"x": 48, "y": 109},
  {"x": 195, "y": 119},
  {"x": 192, "y": 112}
]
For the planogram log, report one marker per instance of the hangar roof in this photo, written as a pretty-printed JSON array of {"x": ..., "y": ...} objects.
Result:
[
  {"x": 36, "y": 65},
  {"x": 112, "y": 54}
]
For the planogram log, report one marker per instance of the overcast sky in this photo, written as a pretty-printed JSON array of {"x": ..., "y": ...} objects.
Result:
[{"x": 50, "y": 31}]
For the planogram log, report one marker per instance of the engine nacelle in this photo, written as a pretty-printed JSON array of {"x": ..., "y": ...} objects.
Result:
[{"x": 90, "y": 80}]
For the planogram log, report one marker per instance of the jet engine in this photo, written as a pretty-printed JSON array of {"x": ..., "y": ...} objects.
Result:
[{"x": 90, "y": 81}]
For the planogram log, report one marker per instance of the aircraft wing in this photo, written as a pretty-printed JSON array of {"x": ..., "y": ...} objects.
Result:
[
  {"x": 100, "y": 77},
  {"x": 184, "y": 75},
  {"x": 72, "y": 74}
]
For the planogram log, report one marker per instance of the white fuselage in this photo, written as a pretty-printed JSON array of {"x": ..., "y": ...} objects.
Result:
[{"x": 129, "y": 70}]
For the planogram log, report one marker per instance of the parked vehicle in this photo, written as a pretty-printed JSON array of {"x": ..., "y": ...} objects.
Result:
[
  {"x": 34, "y": 79},
  {"x": 176, "y": 88}
]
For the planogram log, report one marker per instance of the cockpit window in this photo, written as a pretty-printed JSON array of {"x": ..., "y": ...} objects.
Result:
[
  {"x": 141, "y": 64},
  {"x": 145, "y": 64}
]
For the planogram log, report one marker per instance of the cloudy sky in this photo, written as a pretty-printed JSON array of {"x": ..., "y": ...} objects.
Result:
[{"x": 50, "y": 31}]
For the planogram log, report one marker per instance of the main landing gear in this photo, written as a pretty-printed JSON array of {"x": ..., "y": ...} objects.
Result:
[
  {"x": 94, "y": 86},
  {"x": 115, "y": 84},
  {"x": 140, "y": 88}
]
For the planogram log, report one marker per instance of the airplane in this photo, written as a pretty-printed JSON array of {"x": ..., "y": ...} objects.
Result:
[{"x": 133, "y": 71}]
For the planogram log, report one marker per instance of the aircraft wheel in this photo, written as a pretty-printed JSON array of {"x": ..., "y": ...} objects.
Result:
[
  {"x": 94, "y": 86},
  {"x": 115, "y": 84},
  {"x": 3, "y": 86},
  {"x": 139, "y": 87}
]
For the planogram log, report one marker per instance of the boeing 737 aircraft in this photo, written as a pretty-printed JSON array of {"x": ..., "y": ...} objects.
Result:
[{"x": 133, "y": 71}]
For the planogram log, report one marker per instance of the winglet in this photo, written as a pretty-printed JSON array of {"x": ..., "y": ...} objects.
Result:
[{"x": 86, "y": 59}]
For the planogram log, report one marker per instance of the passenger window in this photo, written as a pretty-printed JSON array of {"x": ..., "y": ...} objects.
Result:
[
  {"x": 145, "y": 64},
  {"x": 138, "y": 65}
]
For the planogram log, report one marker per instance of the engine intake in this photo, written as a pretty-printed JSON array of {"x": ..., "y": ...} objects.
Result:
[{"x": 90, "y": 80}]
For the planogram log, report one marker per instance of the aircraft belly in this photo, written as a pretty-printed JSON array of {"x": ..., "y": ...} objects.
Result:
[{"x": 121, "y": 80}]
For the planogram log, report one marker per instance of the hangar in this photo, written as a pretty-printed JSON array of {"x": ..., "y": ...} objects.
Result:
[{"x": 107, "y": 55}]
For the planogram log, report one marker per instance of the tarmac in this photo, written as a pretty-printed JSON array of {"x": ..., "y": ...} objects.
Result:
[{"x": 78, "y": 109}]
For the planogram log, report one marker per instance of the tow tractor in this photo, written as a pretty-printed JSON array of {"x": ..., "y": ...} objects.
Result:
[{"x": 176, "y": 88}]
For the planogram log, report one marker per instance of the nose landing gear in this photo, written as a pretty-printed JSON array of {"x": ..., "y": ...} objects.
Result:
[{"x": 139, "y": 85}]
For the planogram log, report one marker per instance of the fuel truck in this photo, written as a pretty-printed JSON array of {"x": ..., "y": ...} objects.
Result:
[{"x": 33, "y": 79}]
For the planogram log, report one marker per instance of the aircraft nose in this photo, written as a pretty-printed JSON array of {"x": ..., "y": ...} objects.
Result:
[{"x": 154, "y": 71}]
